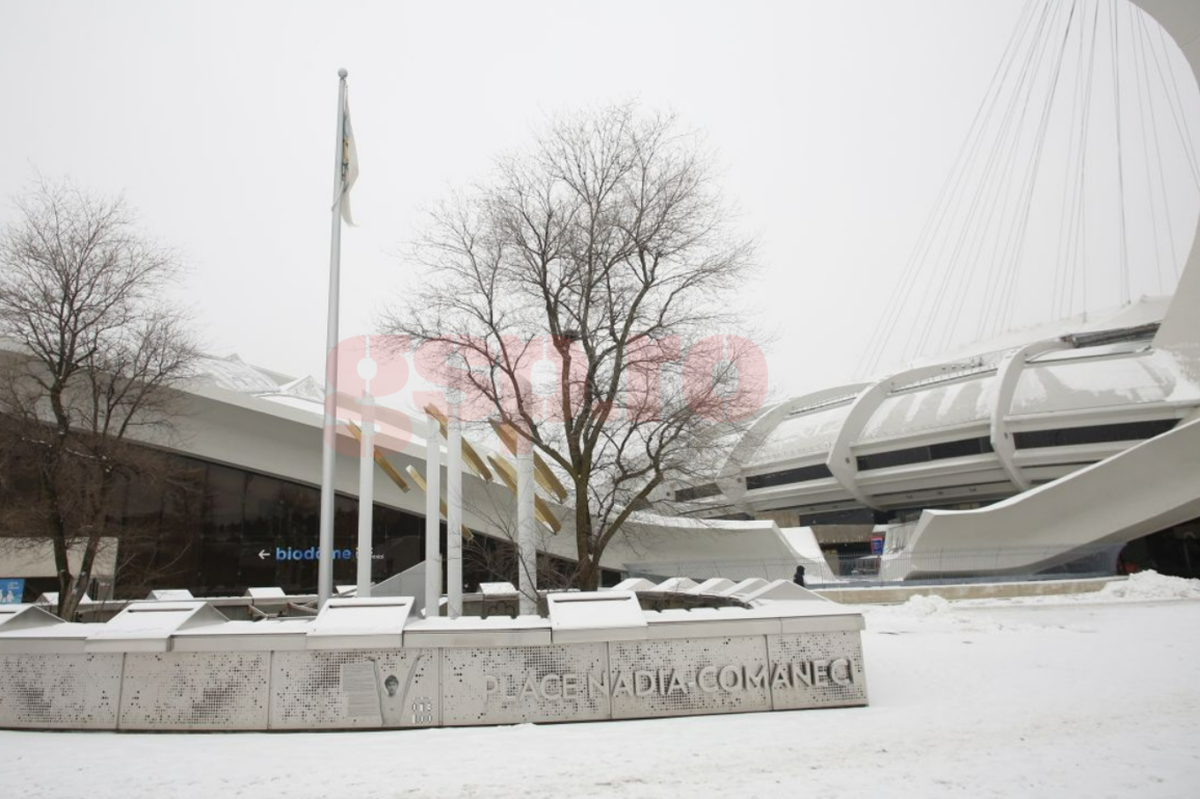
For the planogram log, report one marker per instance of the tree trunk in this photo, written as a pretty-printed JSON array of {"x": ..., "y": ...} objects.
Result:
[
  {"x": 58, "y": 533},
  {"x": 588, "y": 569},
  {"x": 63, "y": 566},
  {"x": 96, "y": 528},
  {"x": 589, "y": 575}
]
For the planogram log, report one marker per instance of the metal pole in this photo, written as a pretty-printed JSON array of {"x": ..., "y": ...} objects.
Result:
[
  {"x": 526, "y": 535},
  {"x": 454, "y": 579},
  {"x": 329, "y": 431},
  {"x": 366, "y": 491},
  {"x": 433, "y": 517}
]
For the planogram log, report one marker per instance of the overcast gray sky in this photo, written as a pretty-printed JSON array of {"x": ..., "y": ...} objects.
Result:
[{"x": 835, "y": 124}]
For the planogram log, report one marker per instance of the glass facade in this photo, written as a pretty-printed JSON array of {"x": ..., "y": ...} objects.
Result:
[{"x": 218, "y": 530}]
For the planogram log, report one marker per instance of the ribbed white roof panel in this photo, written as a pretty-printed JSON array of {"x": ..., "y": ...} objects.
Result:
[
  {"x": 946, "y": 405},
  {"x": 1090, "y": 383},
  {"x": 802, "y": 435}
]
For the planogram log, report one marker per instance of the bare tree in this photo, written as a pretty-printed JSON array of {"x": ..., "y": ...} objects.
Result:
[
  {"x": 607, "y": 253},
  {"x": 93, "y": 351}
]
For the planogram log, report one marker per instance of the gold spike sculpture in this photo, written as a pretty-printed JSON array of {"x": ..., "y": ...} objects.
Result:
[
  {"x": 380, "y": 460},
  {"x": 471, "y": 457},
  {"x": 508, "y": 476},
  {"x": 545, "y": 477}
]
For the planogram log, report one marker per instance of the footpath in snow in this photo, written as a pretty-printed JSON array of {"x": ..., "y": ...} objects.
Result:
[{"x": 1090, "y": 696}]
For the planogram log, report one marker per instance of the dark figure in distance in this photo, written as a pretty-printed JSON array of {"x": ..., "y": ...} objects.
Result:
[{"x": 798, "y": 578}]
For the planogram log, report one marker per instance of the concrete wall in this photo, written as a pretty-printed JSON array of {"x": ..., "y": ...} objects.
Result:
[
  {"x": 892, "y": 594},
  {"x": 365, "y": 664}
]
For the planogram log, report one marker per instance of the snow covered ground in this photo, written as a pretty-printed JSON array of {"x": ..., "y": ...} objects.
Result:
[{"x": 1082, "y": 696}]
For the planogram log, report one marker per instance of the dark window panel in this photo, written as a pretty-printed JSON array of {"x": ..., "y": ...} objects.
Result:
[
  {"x": 959, "y": 449},
  {"x": 934, "y": 452},
  {"x": 224, "y": 493},
  {"x": 697, "y": 492},
  {"x": 143, "y": 502},
  {"x": 264, "y": 512},
  {"x": 1094, "y": 434},
  {"x": 897, "y": 457},
  {"x": 800, "y": 475},
  {"x": 847, "y": 516}
]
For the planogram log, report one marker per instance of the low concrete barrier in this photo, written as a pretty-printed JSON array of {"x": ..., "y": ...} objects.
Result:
[
  {"x": 371, "y": 663},
  {"x": 895, "y": 594}
]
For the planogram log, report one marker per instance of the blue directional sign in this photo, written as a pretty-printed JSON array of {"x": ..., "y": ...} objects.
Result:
[
  {"x": 11, "y": 591},
  {"x": 312, "y": 553}
]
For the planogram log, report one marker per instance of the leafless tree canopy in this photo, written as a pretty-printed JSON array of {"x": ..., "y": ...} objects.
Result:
[
  {"x": 90, "y": 354},
  {"x": 606, "y": 251}
]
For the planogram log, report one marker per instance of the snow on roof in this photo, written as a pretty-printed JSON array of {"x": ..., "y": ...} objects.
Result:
[
  {"x": 1114, "y": 380},
  {"x": 945, "y": 405},
  {"x": 1109, "y": 374},
  {"x": 1144, "y": 311},
  {"x": 234, "y": 374},
  {"x": 797, "y": 436},
  {"x": 307, "y": 394}
]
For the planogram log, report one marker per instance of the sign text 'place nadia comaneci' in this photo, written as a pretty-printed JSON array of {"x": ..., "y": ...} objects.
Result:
[{"x": 669, "y": 682}]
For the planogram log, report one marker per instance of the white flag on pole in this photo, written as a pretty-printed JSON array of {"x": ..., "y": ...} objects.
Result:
[{"x": 349, "y": 162}]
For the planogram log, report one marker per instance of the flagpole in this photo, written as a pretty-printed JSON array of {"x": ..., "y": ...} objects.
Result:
[
  {"x": 366, "y": 488},
  {"x": 329, "y": 433},
  {"x": 433, "y": 518},
  {"x": 454, "y": 508}
]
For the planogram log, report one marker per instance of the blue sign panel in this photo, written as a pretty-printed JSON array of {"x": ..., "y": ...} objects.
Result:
[
  {"x": 11, "y": 591},
  {"x": 876, "y": 545}
]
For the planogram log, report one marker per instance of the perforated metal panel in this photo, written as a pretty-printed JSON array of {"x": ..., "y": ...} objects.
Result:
[
  {"x": 315, "y": 689},
  {"x": 688, "y": 675},
  {"x": 427, "y": 686},
  {"x": 817, "y": 670},
  {"x": 509, "y": 685},
  {"x": 68, "y": 690},
  {"x": 195, "y": 690}
]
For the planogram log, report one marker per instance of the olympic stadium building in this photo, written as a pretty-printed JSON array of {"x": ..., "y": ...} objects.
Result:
[
  {"x": 1057, "y": 419},
  {"x": 1017, "y": 456}
]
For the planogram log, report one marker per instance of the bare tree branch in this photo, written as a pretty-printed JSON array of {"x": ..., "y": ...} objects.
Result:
[
  {"x": 91, "y": 354},
  {"x": 608, "y": 243}
]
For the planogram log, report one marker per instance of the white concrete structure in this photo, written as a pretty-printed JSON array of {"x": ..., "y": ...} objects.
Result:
[
  {"x": 1085, "y": 428},
  {"x": 370, "y": 663},
  {"x": 975, "y": 429},
  {"x": 264, "y": 422}
]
